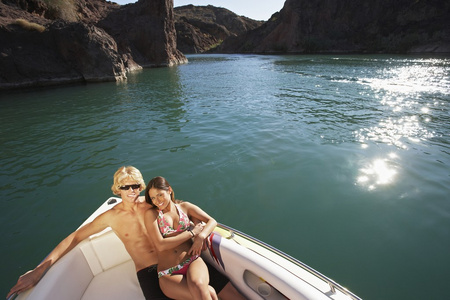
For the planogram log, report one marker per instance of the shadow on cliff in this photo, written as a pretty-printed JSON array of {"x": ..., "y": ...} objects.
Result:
[
  {"x": 63, "y": 41},
  {"x": 347, "y": 26},
  {"x": 56, "y": 42}
]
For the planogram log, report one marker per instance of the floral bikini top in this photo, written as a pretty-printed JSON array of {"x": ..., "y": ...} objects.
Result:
[{"x": 166, "y": 229}]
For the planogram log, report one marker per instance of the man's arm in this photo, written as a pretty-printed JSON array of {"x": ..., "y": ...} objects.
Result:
[{"x": 31, "y": 278}]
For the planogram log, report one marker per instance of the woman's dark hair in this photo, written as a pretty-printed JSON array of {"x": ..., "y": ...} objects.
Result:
[{"x": 159, "y": 183}]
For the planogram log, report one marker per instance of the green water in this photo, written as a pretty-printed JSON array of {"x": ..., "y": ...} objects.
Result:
[{"x": 339, "y": 161}]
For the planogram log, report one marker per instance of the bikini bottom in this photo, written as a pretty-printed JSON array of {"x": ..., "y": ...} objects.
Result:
[{"x": 180, "y": 268}]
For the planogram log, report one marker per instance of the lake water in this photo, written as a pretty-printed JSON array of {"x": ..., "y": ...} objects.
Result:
[{"x": 340, "y": 161}]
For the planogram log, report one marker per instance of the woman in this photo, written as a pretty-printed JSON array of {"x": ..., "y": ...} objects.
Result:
[{"x": 182, "y": 272}]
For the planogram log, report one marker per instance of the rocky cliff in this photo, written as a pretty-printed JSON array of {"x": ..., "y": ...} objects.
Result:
[
  {"x": 202, "y": 28},
  {"x": 47, "y": 42},
  {"x": 364, "y": 26},
  {"x": 60, "y": 41}
]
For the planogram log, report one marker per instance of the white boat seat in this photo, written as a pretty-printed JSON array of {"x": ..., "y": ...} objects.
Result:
[
  {"x": 104, "y": 251},
  {"x": 100, "y": 268}
]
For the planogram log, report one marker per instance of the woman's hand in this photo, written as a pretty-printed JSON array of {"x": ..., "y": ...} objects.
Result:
[
  {"x": 198, "y": 229},
  {"x": 197, "y": 246}
]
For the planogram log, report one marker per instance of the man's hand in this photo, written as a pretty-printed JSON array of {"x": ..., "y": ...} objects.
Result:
[{"x": 29, "y": 279}]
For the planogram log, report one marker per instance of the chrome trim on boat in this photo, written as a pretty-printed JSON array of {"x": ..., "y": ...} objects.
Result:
[
  {"x": 13, "y": 296},
  {"x": 231, "y": 234},
  {"x": 331, "y": 283}
]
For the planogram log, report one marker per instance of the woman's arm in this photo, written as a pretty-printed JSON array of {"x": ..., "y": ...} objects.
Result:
[
  {"x": 196, "y": 212},
  {"x": 161, "y": 243}
]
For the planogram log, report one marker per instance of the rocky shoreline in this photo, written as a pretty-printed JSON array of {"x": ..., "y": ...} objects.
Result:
[
  {"x": 201, "y": 29},
  {"x": 347, "y": 26},
  {"x": 55, "y": 42},
  {"x": 60, "y": 42}
]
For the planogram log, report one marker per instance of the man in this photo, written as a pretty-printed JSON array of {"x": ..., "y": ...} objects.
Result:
[{"x": 126, "y": 219}]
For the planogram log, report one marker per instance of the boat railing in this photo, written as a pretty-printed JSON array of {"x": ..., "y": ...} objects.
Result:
[
  {"x": 12, "y": 297},
  {"x": 331, "y": 283}
]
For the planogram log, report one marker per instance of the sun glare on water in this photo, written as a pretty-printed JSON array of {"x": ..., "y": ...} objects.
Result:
[
  {"x": 403, "y": 90},
  {"x": 378, "y": 172}
]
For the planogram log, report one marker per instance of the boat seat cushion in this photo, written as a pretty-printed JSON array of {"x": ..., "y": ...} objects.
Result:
[
  {"x": 117, "y": 283},
  {"x": 58, "y": 284},
  {"x": 104, "y": 251}
]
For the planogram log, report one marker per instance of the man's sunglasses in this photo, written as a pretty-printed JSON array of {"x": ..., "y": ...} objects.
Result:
[{"x": 132, "y": 186}]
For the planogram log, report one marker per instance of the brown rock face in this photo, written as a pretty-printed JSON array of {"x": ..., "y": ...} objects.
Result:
[
  {"x": 145, "y": 32},
  {"x": 365, "y": 26},
  {"x": 202, "y": 28},
  {"x": 64, "y": 52},
  {"x": 75, "y": 41},
  {"x": 89, "y": 50}
]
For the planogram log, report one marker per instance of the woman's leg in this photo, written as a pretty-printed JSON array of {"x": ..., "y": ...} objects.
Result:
[
  {"x": 193, "y": 285},
  {"x": 198, "y": 281},
  {"x": 175, "y": 287}
]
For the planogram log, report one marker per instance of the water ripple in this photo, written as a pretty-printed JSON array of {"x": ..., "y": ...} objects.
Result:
[{"x": 358, "y": 145}]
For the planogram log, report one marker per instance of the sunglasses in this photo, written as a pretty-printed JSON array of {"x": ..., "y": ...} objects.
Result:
[{"x": 132, "y": 186}]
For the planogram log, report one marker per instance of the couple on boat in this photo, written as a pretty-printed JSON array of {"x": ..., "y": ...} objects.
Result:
[{"x": 157, "y": 233}]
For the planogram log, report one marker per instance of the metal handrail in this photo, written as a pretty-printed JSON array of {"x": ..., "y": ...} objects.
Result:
[
  {"x": 331, "y": 283},
  {"x": 13, "y": 296}
]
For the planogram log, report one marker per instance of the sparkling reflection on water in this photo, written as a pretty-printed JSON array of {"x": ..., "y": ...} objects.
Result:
[
  {"x": 340, "y": 161},
  {"x": 406, "y": 92}
]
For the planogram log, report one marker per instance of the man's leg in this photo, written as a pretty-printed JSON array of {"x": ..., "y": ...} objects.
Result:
[
  {"x": 224, "y": 289},
  {"x": 229, "y": 292},
  {"x": 148, "y": 280}
]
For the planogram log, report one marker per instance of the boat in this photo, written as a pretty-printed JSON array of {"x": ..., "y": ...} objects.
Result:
[{"x": 100, "y": 268}]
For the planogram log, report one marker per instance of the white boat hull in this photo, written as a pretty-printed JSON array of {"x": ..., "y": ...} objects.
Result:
[{"x": 100, "y": 268}]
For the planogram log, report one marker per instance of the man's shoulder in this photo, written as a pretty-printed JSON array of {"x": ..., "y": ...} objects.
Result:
[
  {"x": 115, "y": 212},
  {"x": 109, "y": 214},
  {"x": 114, "y": 217},
  {"x": 142, "y": 204}
]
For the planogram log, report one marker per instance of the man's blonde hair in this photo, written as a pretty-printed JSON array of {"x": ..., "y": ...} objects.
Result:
[{"x": 124, "y": 173}]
